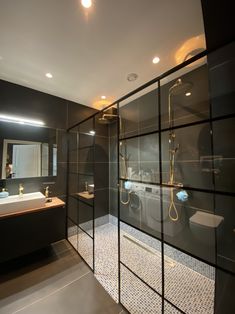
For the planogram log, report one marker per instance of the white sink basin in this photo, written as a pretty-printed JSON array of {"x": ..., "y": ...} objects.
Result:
[{"x": 16, "y": 203}]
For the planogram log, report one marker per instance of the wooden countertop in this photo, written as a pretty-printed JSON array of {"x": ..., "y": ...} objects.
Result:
[
  {"x": 86, "y": 195},
  {"x": 56, "y": 202}
]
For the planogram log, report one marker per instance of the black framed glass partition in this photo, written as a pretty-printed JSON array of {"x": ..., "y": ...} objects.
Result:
[{"x": 163, "y": 171}]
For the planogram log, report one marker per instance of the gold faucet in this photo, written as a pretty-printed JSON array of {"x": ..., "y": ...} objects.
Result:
[
  {"x": 21, "y": 189},
  {"x": 47, "y": 192}
]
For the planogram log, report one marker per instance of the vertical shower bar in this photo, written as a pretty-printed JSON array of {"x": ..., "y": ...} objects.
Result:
[
  {"x": 161, "y": 202},
  {"x": 118, "y": 174},
  {"x": 93, "y": 207}
]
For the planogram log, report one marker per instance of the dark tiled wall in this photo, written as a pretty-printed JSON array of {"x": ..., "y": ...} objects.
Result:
[
  {"x": 57, "y": 114},
  {"x": 218, "y": 21},
  {"x": 88, "y": 162}
]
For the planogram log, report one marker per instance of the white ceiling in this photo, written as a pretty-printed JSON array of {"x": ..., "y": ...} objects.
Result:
[{"x": 91, "y": 52}]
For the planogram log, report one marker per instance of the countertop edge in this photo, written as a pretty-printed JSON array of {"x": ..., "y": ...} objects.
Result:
[{"x": 56, "y": 202}]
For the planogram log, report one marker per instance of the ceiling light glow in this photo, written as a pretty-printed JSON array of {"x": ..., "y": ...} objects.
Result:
[
  {"x": 49, "y": 75},
  {"x": 156, "y": 60},
  {"x": 92, "y": 132},
  {"x": 188, "y": 94},
  {"x": 103, "y": 97},
  {"x": 19, "y": 120},
  {"x": 86, "y": 3}
]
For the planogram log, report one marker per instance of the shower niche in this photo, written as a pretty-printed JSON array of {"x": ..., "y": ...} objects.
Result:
[{"x": 163, "y": 196}]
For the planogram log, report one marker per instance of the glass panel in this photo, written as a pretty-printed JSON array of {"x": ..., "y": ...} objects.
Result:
[
  {"x": 72, "y": 183},
  {"x": 185, "y": 95},
  {"x": 139, "y": 113},
  {"x": 139, "y": 158},
  {"x": 222, "y": 80},
  {"x": 86, "y": 218},
  {"x": 85, "y": 247},
  {"x": 140, "y": 207},
  {"x": 86, "y": 158},
  {"x": 73, "y": 142},
  {"x": 187, "y": 157},
  {"x": 188, "y": 220},
  {"x": 189, "y": 283},
  {"x": 72, "y": 234},
  {"x": 224, "y": 154},
  {"x": 224, "y": 209},
  {"x": 224, "y": 298},
  {"x": 72, "y": 209},
  {"x": 85, "y": 140},
  {"x": 136, "y": 296},
  {"x": 106, "y": 255},
  {"x": 138, "y": 249},
  {"x": 169, "y": 309}
]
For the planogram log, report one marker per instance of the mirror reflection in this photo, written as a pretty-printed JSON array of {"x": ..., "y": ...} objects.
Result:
[{"x": 27, "y": 151}]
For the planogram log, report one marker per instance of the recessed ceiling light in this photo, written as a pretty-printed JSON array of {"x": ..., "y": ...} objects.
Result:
[
  {"x": 103, "y": 97},
  {"x": 156, "y": 60},
  {"x": 188, "y": 94},
  {"x": 49, "y": 75},
  {"x": 86, "y": 3}
]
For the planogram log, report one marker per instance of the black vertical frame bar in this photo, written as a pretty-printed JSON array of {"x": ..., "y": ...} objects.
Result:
[
  {"x": 213, "y": 180},
  {"x": 93, "y": 203},
  {"x": 118, "y": 186},
  {"x": 67, "y": 184},
  {"x": 161, "y": 201}
]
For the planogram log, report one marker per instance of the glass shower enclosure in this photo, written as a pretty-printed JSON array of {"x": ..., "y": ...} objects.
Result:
[{"x": 151, "y": 191}]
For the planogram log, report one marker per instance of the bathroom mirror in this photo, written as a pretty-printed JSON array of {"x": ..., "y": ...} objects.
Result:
[{"x": 27, "y": 151}]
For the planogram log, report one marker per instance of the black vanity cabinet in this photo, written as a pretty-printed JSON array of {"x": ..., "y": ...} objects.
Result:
[{"x": 27, "y": 231}]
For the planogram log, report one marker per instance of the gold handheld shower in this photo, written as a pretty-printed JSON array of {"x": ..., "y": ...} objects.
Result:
[{"x": 176, "y": 89}]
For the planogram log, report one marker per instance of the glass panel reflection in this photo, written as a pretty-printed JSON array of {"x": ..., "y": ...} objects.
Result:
[
  {"x": 189, "y": 161},
  {"x": 189, "y": 283},
  {"x": 139, "y": 158},
  {"x": 140, "y": 115},
  {"x": 185, "y": 99}
]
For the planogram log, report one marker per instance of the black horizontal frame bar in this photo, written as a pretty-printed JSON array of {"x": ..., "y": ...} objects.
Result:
[
  {"x": 81, "y": 174},
  {"x": 86, "y": 174},
  {"x": 85, "y": 231},
  {"x": 188, "y": 188},
  {"x": 139, "y": 181},
  {"x": 181, "y": 126},
  {"x": 78, "y": 225},
  {"x": 78, "y": 198},
  {"x": 71, "y": 219},
  {"x": 202, "y": 54},
  {"x": 85, "y": 147},
  {"x": 179, "y": 249},
  {"x": 155, "y": 291}
]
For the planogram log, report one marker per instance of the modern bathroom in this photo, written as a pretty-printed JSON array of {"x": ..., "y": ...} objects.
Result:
[{"x": 121, "y": 202}]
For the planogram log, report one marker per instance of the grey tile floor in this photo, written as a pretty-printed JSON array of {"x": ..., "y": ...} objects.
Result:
[{"x": 52, "y": 281}]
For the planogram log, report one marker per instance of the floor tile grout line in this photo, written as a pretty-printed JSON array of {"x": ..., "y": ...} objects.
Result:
[{"x": 52, "y": 293}]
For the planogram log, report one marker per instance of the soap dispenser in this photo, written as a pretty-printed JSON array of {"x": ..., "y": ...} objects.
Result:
[{"x": 4, "y": 193}]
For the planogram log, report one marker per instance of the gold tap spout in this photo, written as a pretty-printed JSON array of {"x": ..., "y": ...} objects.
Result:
[{"x": 21, "y": 189}]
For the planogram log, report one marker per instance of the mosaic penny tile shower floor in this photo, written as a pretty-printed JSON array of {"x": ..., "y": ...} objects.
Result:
[{"x": 189, "y": 283}]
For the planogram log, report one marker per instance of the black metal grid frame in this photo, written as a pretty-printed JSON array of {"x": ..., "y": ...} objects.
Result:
[
  {"x": 210, "y": 120},
  {"x": 78, "y": 198}
]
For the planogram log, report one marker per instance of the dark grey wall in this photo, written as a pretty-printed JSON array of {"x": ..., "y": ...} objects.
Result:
[
  {"x": 56, "y": 113},
  {"x": 218, "y": 21}
]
